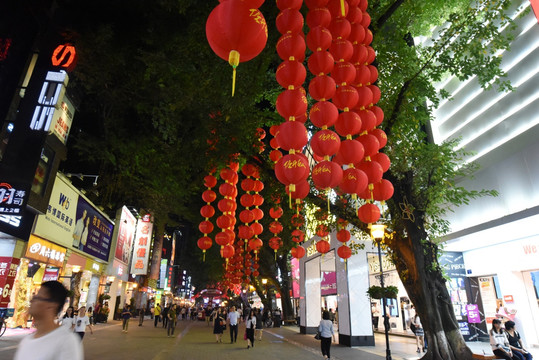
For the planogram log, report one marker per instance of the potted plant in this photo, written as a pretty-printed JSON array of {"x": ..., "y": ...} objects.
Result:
[{"x": 376, "y": 292}]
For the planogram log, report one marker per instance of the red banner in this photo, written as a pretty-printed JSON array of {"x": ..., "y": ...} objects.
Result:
[{"x": 8, "y": 272}]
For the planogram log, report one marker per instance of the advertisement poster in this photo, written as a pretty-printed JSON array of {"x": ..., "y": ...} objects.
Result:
[
  {"x": 126, "y": 232},
  {"x": 295, "y": 277},
  {"x": 71, "y": 221},
  {"x": 474, "y": 317},
  {"x": 8, "y": 271},
  {"x": 328, "y": 284}
]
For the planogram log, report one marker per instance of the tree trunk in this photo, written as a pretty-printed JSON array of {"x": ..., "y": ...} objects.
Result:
[
  {"x": 284, "y": 290},
  {"x": 416, "y": 260}
]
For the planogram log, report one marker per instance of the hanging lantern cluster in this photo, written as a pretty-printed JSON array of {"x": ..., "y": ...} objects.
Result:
[
  {"x": 256, "y": 243},
  {"x": 275, "y": 226},
  {"x": 343, "y": 236},
  {"x": 237, "y": 32},
  {"x": 207, "y": 211},
  {"x": 227, "y": 206}
]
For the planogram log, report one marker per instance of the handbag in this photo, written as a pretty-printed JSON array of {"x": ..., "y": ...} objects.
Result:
[
  {"x": 318, "y": 335},
  {"x": 245, "y": 335}
]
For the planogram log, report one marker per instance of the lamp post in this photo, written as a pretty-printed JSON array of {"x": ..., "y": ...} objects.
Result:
[{"x": 378, "y": 233}]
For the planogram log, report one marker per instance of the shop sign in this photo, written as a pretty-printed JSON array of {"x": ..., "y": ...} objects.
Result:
[
  {"x": 453, "y": 264},
  {"x": 474, "y": 317},
  {"x": 162, "y": 274},
  {"x": 93, "y": 266},
  {"x": 126, "y": 231},
  {"x": 52, "y": 91},
  {"x": 8, "y": 272},
  {"x": 62, "y": 120},
  {"x": 45, "y": 251},
  {"x": 74, "y": 222},
  {"x": 141, "y": 248},
  {"x": 464, "y": 329},
  {"x": 12, "y": 199},
  {"x": 374, "y": 263},
  {"x": 508, "y": 299},
  {"x": 50, "y": 274}
]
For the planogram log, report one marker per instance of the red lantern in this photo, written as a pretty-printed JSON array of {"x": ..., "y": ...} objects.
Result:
[
  {"x": 348, "y": 123},
  {"x": 291, "y": 103},
  {"x": 258, "y": 199},
  {"x": 342, "y": 50},
  {"x": 323, "y": 113},
  {"x": 336, "y": 8},
  {"x": 343, "y": 235},
  {"x": 275, "y": 227},
  {"x": 370, "y": 144},
  {"x": 327, "y": 174},
  {"x": 298, "y": 252},
  {"x": 210, "y": 181},
  {"x": 382, "y": 159},
  {"x": 368, "y": 213},
  {"x": 226, "y": 205},
  {"x": 227, "y": 251},
  {"x": 344, "y": 73},
  {"x": 255, "y": 244},
  {"x": 322, "y": 230},
  {"x": 354, "y": 181},
  {"x": 368, "y": 120},
  {"x": 321, "y": 63},
  {"x": 292, "y": 4},
  {"x": 364, "y": 97},
  {"x": 222, "y": 238},
  {"x": 291, "y": 47},
  {"x": 276, "y": 213},
  {"x": 351, "y": 151},
  {"x": 207, "y": 211},
  {"x": 340, "y": 28},
  {"x": 301, "y": 192},
  {"x": 357, "y": 31},
  {"x": 374, "y": 73},
  {"x": 379, "y": 113},
  {"x": 227, "y": 190},
  {"x": 275, "y": 155},
  {"x": 258, "y": 214},
  {"x": 292, "y": 135},
  {"x": 297, "y": 221},
  {"x": 360, "y": 54},
  {"x": 224, "y": 221},
  {"x": 346, "y": 97},
  {"x": 205, "y": 227},
  {"x": 295, "y": 168},
  {"x": 204, "y": 243},
  {"x": 209, "y": 196},
  {"x": 372, "y": 169},
  {"x": 247, "y": 200},
  {"x": 247, "y": 216},
  {"x": 325, "y": 143},
  {"x": 236, "y": 32},
  {"x": 313, "y": 4},
  {"x": 319, "y": 39},
  {"x": 298, "y": 236},
  {"x": 363, "y": 75},
  {"x": 322, "y": 87},
  {"x": 376, "y": 94},
  {"x": 275, "y": 243},
  {"x": 291, "y": 73},
  {"x": 257, "y": 228},
  {"x": 368, "y": 37},
  {"x": 344, "y": 252},
  {"x": 245, "y": 232},
  {"x": 371, "y": 55},
  {"x": 383, "y": 190},
  {"x": 322, "y": 246},
  {"x": 289, "y": 21},
  {"x": 319, "y": 16},
  {"x": 366, "y": 19},
  {"x": 381, "y": 136}
]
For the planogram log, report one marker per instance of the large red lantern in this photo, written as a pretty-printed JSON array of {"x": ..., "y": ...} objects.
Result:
[
  {"x": 354, "y": 181},
  {"x": 223, "y": 238},
  {"x": 323, "y": 246},
  {"x": 351, "y": 151},
  {"x": 298, "y": 236},
  {"x": 344, "y": 252},
  {"x": 319, "y": 16},
  {"x": 291, "y": 103},
  {"x": 209, "y": 196},
  {"x": 344, "y": 73},
  {"x": 343, "y": 235},
  {"x": 227, "y": 251},
  {"x": 342, "y": 50},
  {"x": 323, "y": 113},
  {"x": 322, "y": 88},
  {"x": 383, "y": 160},
  {"x": 236, "y": 33},
  {"x": 292, "y": 136},
  {"x": 321, "y": 63},
  {"x": 348, "y": 123},
  {"x": 319, "y": 39},
  {"x": 381, "y": 136},
  {"x": 291, "y": 73},
  {"x": 207, "y": 211},
  {"x": 205, "y": 227},
  {"x": 372, "y": 169},
  {"x": 298, "y": 252},
  {"x": 346, "y": 97},
  {"x": 370, "y": 144},
  {"x": 325, "y": 143},
  {"x": 289, "y": 21},
  {"x": 383, "y": 190},
  {"x": 368, "y": 213},
  {"x": 327, "y": 174},
  {"x": 291, "y": 47}
]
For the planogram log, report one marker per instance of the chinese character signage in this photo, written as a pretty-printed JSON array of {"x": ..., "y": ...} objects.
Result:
[
  {"x": 45, "y": 251},
  {"x": 126, "y": 232},
  {"x": 73, "y": 222},
  {"x": 12, "y": 199},
  {"x": 62, "y": 119},
  {"x": 141, "y": 248},
  {"x": 8, "y": 272}
]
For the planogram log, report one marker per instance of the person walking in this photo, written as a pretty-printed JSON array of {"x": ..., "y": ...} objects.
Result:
[
  {"x": 172, "y": 316},
  {"x": 233, "y": 319},
  {"x": 515, "y": 343},
  {"x": 50, "y": 341},
  {"x": 141, "y": 313},
  {"x": 499, "y": 342},
  {"x": 326, "y": 334},
  {"x": 419, "y": 333},
  {"x": 81, "y": 322},
  {"x": 68, "y": 320},
  {"x": 165, "y": 315},
  {"x": 250, "y": 324},
  {"x": 259, "y": 325},
  {"x": 126, "y": 315},
  {"x": 218, "y": 323},
  {"x": 157, "y": 314}
]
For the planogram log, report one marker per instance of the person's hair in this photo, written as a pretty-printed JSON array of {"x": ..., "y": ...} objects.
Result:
[
  {"x": 325, "y": 315},
  {"x": 72, "y": 312},
  {"x": 57, "y": 293},
  {"x": 509, "y": 325},
  {"x": 493, "y": 329}
]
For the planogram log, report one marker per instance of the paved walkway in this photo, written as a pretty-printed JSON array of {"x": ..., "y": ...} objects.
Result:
[{"x": 194, "y": 340}]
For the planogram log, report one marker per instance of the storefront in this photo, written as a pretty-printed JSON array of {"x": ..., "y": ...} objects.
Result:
[{"x": 326, "y": 282}]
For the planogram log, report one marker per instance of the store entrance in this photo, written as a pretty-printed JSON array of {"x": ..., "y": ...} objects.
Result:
[{"x": 328, "y": 287}]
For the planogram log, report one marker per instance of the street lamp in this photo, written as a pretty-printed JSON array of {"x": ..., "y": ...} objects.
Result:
[{"x": 378, "y": 233}]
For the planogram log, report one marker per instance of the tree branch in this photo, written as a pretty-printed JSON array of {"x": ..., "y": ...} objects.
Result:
[{"x": 387, "y": 14}]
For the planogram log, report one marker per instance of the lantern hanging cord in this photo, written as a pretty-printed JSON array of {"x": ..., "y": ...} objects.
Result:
[{"x": 234, "y": 61}]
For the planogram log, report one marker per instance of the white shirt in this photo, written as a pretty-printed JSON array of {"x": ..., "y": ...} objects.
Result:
[
  {"x": 59, "y": 344},
  {"x": 67, "y": 322},
  {"x": 81, "y": 323},
  {"x": 233, "y": 317},
  {"x": 250, "y": 323}
]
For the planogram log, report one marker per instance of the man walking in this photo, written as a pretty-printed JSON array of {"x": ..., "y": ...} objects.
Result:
[
  {"x": 232, "y": 319},
  {"x": 172, "y": 316},
  {"x": 157, "y": 314},
  {"x": 50, "y": 341}
]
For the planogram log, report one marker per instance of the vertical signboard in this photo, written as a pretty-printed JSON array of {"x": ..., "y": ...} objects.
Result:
[
  {"x": 8, "y": 271},
  {"x": 126, "y": 232},
  {"x": 141, "y": 248},
  {"x": 162, "y": 274}
]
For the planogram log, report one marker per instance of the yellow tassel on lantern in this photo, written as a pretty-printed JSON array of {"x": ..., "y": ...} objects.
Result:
[
  {"x": 203, "y": 255},
  {"x": 342, "y": 8},
  {"x": 234, "y": 61}
]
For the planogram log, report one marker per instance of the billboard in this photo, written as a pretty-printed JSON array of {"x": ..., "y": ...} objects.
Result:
[
  {"x": 72, "y": 221},
  {"x": 126, "y": 232},
  {"x": 141, "y": 248}
]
